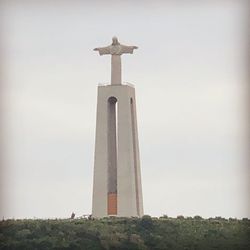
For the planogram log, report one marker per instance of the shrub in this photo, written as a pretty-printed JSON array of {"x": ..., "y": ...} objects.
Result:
[
  {"x": 146, "y": 222},
  {"x": 180, "y": 217},
  {"x": 197, "y": 217}
]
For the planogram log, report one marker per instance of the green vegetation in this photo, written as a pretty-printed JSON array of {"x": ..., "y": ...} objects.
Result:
[{"x": 121, "y": 233}]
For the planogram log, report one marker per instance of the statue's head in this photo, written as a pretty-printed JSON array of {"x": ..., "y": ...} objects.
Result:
[{"x": 115, "y": 41}]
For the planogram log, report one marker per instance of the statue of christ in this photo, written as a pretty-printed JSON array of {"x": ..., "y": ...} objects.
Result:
[{"x": 116, "y": 50}]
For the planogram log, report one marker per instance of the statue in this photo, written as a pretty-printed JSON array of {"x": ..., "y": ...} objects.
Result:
[{"x": 116, "y": 50}]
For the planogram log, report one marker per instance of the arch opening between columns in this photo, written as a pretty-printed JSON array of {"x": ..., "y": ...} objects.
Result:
[{"x": 112, "y": 155}]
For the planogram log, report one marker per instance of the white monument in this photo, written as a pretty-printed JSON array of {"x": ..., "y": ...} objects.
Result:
[{"x": 117, "y": 189}]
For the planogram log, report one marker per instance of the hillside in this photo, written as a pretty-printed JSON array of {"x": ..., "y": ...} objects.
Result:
[{"x": 121, "y": 233}]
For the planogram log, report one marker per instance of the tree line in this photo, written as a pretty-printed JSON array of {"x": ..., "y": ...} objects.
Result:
[{"x": 190, "y": 233}]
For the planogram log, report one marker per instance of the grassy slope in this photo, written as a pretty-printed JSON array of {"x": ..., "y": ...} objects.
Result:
[{"x": 121, "y": 233}]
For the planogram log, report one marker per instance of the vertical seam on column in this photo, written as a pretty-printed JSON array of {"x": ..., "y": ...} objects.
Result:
[{"x": 134, "y": 154}]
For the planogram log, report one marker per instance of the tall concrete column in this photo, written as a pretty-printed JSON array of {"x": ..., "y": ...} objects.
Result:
[{"x": 117, "y": 176}]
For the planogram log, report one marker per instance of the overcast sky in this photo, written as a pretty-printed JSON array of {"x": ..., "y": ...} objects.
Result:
[{"x": 190, "y": 78}]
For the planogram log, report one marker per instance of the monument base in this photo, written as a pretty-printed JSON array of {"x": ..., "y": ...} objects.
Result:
[{"x": 117, "y": 177}]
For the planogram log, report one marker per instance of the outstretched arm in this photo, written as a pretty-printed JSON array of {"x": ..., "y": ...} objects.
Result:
[
  {"x": 128, "y": 49},
  {"x": 103, "y": 50}
]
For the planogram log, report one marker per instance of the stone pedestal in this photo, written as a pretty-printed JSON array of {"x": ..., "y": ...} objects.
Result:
[{"x": 117, "y": 187}]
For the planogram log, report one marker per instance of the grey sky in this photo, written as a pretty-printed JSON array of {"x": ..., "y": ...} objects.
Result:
[{"x": 190, "y": 79}]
